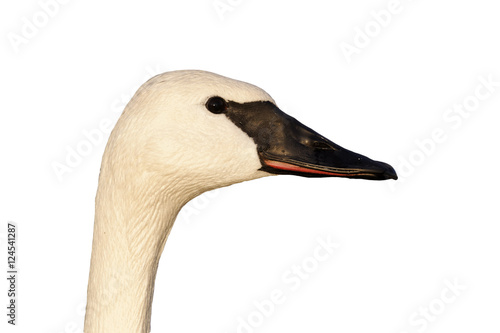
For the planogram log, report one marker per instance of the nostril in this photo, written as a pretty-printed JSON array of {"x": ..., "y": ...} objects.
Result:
[{"x": 321, "y": 145}]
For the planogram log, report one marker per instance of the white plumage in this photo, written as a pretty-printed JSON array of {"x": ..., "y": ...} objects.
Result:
[{"x": 168, "y": 147}]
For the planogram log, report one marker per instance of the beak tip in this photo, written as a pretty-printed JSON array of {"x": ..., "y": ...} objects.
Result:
[
  {"x": 391, "y": 175},
  {"x": 389, "y": 172}
]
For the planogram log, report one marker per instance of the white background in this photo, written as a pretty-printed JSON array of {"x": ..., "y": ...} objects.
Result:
[{"x": 399, "y": 241}]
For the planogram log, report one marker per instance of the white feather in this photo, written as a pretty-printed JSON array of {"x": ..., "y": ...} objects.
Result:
[{"x": 166, "y": 149}]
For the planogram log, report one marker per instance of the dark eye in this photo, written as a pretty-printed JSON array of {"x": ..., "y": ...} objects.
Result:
[{"x": 216, "y": 104}]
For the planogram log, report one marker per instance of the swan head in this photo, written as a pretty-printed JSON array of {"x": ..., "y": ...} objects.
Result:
[
  {"x": 184, "y": 133},
  {"x": 203, "y": 131}
]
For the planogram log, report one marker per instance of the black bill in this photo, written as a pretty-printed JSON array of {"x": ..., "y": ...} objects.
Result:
[{"x": 286, "y": 146}]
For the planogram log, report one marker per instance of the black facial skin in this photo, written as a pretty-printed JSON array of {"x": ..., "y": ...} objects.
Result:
[{"x": 286, "y": 146}]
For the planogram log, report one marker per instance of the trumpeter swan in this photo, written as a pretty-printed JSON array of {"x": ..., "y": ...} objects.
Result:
[{"x": 184, "y": 133}]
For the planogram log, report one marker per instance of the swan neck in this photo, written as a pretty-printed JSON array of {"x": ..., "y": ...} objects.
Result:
[{"x": 131, "y": 226}]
